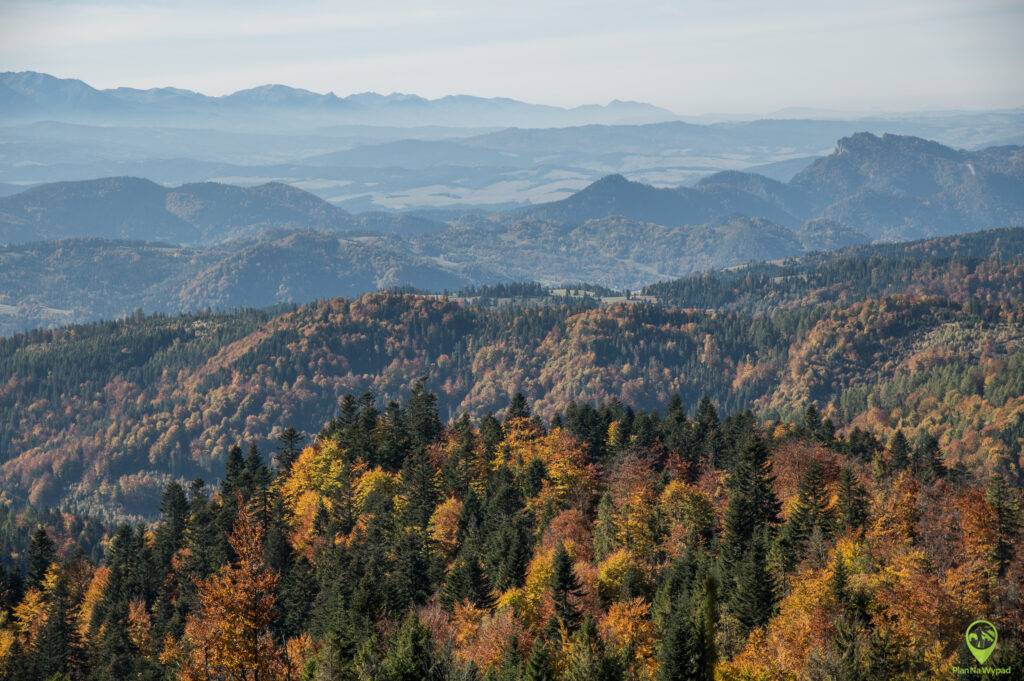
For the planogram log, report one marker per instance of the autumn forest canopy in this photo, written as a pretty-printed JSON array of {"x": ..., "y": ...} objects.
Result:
[{"x": 807, "y": 469}]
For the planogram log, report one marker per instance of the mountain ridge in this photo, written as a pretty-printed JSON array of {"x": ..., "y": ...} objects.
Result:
[{"x": 30, "y": 95}]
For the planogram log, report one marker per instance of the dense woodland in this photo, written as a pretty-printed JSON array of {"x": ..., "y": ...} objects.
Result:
[
  {"x": 606, "y": 543},
  {"x": 97, "y": 419}
]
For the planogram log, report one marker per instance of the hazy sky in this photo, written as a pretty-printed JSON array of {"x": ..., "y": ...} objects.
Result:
[{"x": 692, "y": 56}]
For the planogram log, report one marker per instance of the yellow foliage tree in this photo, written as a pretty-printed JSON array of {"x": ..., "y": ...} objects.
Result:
[
  {"x": 444, "y": 525},
  {"x": 626, "y": 627}
]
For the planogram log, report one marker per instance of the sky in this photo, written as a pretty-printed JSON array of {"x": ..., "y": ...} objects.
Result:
[{"x": 691, "y": 56}]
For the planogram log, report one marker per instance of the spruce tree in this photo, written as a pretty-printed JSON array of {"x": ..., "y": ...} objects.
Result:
[
  {"x": 565, "y": 588},
  {"x": 421, "y": 416},
  {"x": 41, "y": 554},
  {"x": 56, "y": 649},
  {"x": 753, "y": 600},
  {"x": 411, "y": 654},
  {"x": 288, "y": 449},
  {"x": 851, "y": 502},
  {"x": 392, "y": 438},
  {"x": 517, "y": 408},
  {"x": 170, "y": 533},
  {"x": 466, "y": 580},
  {"x": 1004, "y": 501},
  {"x": 586, "y": 659},
  {"x": 753, "y": 507},
  {"x": 899, "y": 453},
  {"x": 605, "y": 528},
  {"x": 811, "y": 517},
  {"x": 539, "y": 666}
]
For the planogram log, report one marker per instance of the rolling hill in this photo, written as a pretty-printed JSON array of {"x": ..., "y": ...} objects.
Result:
[
  {"x": 59, "y": 282},
  {"x": 205, "y": 213},
  {"x": 100, "y": 415}
]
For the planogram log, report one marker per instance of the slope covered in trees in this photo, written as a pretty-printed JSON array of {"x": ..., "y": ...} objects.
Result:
[
  {"x": 101, "y": 416},
  {"x": 201, "y": 213},
  {"x": 607, "y": 544}
]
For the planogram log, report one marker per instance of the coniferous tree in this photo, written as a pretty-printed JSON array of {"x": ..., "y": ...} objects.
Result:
[
  {"x": 688, "y": 616},
  {"x": 899, "y": 453},
  {"x": 753, "y": 600},
  {"x": 927, "y": 458},
  {"x": 420, "y": 488},
  {"x": 708, "y": 430},
  {"x": 538, "y": 665},
  {"x": 392, "y": 437},
  {"x": 57, "y": 648},
  {"x": 565, "y": 588},
  {"x": 490, "y": 434},
  {"x": 517, "y": 408},
  {"x": 851, "y": 501},
  {"x": 753, "y": 507},
  {"x": 41, "y": 554},
  {"x": 411, "y": 655},
  {"x": 605, "y": 528},
  {"x": 170, "y": 533},
  {"x": 288, "y": 449},
  {"x": 1007, "y": 520},
  {"x": 586, "y": 659},
  {"x": 810, "y": 517},
  {"x": 421, "y": 416}
]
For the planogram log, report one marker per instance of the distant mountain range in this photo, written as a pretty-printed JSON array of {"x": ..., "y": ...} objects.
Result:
[
  {"x": 31, "y": 96},
  {"x": 227, "y": 246},
  {"x": 890, "y": 188},
  {"x": 369, "y": 153}
]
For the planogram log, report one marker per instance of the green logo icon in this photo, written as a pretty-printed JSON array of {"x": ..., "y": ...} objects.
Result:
[{"x": 981, "y": 637}]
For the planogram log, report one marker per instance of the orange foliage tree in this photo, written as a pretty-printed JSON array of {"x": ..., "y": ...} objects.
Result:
[{"x": 230, "y": 638}]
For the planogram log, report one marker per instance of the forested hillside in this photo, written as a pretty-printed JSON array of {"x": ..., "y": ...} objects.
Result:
[
  {"x": 922, "y": 337},
  {"x": 607, "y": 544}
]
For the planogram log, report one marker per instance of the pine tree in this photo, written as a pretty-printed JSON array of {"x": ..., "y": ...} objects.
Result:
[
  {"x": 41, "y": 554},
  {"x": 565, "y": 588}
]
